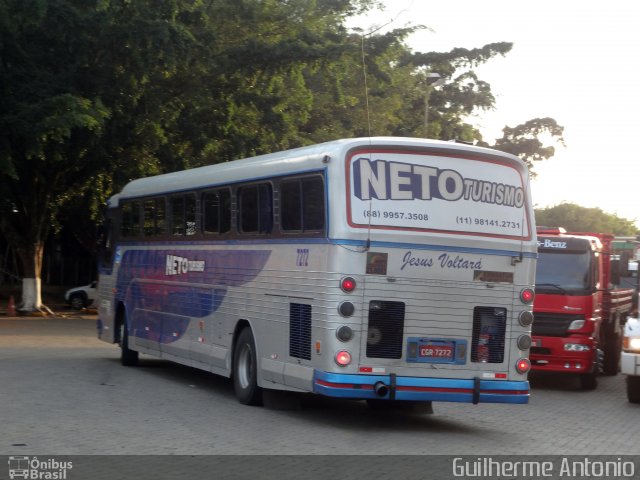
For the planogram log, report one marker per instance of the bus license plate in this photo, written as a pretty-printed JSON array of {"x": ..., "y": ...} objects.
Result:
[{"x": 436, "y": 351}]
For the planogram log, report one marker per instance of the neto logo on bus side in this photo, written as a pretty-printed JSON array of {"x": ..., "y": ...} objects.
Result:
[
  {"x": 386, "y": 180},
  {"x": 179, "y": 265}
]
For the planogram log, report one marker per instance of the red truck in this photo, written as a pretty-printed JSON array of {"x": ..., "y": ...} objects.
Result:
[{"x": 579, "y": 311}]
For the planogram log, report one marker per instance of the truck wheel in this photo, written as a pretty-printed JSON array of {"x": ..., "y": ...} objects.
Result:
[
  {"x": 128, "y": 357},
  {"x": 633, "y": 388},
  {"x": 245, "y": 370},
  {"x": 589, "y": 381},
  {"x": 612, "y": 349}
]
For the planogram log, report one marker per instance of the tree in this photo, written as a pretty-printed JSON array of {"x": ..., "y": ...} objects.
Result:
[
  {"x": 95, "y": 93},
  {"x": 47, "y": 128},
  {"x": 56, "y": 65},
  {"x": 524, "y": 140},
  {"x": 582, "y": 219}
]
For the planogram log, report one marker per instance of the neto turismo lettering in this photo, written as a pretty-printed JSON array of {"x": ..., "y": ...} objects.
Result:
[{"x": 386, "y": 180}]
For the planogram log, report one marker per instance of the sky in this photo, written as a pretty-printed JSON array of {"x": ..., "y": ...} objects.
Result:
[{"x": 577, "y": 62}]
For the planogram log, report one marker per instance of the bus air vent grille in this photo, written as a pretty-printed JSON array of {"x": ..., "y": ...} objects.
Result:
[
  {"x": 385, "y": 332},
  {"x": 489, "y": 325},
  {"x": 300, "y": 330}
]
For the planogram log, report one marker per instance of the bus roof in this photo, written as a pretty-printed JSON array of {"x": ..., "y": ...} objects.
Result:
[{"x": 294, "y": 160}]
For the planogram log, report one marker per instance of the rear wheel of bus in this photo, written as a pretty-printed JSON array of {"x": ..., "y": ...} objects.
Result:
[{"x": 245, "y": 369}]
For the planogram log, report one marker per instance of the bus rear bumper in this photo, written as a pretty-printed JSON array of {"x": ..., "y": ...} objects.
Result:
[{"x": 420, "y": 389}]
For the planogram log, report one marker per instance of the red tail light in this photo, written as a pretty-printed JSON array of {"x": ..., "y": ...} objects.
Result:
[
  {"x": 343, "y": 358},
  {"x": 523, "y": 365},
  {"x": 348, "y": 284},
  {"x": 526, "y": 295}
]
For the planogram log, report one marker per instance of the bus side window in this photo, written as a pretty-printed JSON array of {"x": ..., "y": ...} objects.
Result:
[
  {"x": 256, "y": 211},
  {"x": 131, "y": 221},
  {"x": 217, "y": 212},
  {"x": 190, "y": 214},
  {"x": 313, "y": 203},
  {"x": 183, "y": 215},
  {"x": 177, "y": 216},
  {"x": 290, "y": 205},
  {"x": 154, "y": 211},
  {"x": 302, "y": 204}
]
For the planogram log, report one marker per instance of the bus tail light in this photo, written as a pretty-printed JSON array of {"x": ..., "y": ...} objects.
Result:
[
  {"x": 526, "y": 295},
  {"x": 343, "y": 358},
  {"x": 346, "y": 309},
  {"x": 523, "y": 365},
  {"x": 524, "y": 342},
  {"x": 348, "y": 284},
  {"x": 525, "y": 318},
  {"x": 344, "y": 333}
]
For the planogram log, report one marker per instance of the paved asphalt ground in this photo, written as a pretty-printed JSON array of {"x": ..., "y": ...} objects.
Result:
[{"x": 63, "y": 392}]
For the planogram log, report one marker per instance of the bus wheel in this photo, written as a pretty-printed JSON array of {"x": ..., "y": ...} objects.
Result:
[
  {"x": 633, "y": 388},
  {"x": 245, "y": 370},
  {"x": 128, "y": 357}
]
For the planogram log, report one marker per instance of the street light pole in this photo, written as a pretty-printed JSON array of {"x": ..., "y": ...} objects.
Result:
[{"x": 433, "y": 80}]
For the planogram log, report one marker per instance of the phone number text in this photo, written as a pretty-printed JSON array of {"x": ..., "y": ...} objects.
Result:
[
  {"x": 424, "y": 217},
  {"x": 487, "y": 222}
]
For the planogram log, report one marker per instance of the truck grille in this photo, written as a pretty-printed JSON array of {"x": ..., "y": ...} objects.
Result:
[
  {"x": 385, "y": 331},
  {"x": 552, "y": 324}
]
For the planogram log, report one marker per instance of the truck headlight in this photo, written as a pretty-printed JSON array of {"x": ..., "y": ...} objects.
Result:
[
  {"x": 576, "y": 324},
  {"x": 631, "y": 344}
]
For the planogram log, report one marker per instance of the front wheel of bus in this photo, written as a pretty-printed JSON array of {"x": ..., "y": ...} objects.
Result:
[
  {"x": 245, "y": 370},
  {"x": 128, "y": 357}
]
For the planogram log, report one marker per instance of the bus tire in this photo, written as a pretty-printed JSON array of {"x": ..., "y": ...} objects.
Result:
[
  {"x": 245, "y": 370},
  {"x": 128, "y": 357},
  {"x": 633, "y": 388}
]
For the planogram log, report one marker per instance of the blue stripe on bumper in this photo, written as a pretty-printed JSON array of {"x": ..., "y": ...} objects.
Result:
[{"x": 421, "y": 389}]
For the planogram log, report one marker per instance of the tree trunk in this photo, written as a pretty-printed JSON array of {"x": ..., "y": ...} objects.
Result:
[{"x": 31, "y": 258}]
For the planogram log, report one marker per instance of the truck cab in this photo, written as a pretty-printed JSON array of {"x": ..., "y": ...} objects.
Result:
[{"x": 578, "y": 310}]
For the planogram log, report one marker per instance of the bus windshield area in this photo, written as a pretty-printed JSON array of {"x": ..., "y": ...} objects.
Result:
[{"x": 563, "y": 272}]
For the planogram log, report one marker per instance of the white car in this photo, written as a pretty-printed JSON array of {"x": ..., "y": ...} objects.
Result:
[
  {"x": 630, "y": 361},
  {"x": 82, "y": 297}
]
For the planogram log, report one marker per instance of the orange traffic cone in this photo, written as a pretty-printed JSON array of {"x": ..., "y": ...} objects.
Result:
[{"x": 11, "y": 308}]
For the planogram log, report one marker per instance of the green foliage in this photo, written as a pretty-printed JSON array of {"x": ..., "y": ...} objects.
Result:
[
  {"x": 581, "y": 219},
  {"x": 525, "y": 142},
  {"x": 94, "y": 93}
]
